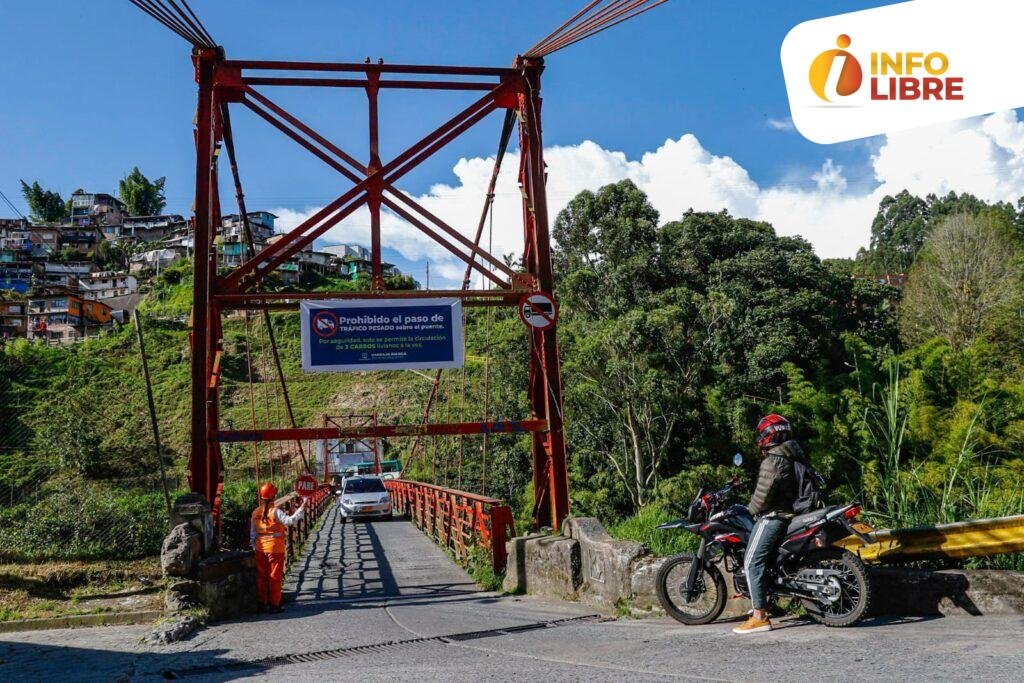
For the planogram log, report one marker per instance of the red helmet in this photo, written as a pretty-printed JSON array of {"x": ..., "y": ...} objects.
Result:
[
  {"x": 772, "y": 430},
  {"x": 268, "y": 491}
]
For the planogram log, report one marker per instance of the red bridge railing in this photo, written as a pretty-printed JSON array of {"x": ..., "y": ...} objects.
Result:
[
  {"x": 456, "y": 520},
  {"x": 315, "y": 506}
]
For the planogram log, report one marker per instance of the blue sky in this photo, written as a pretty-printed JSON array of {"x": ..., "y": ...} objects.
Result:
[{"x": 92, "y": 89}]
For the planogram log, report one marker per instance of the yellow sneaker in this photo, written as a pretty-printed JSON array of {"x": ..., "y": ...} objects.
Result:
[{"x": 754, "y": 625}]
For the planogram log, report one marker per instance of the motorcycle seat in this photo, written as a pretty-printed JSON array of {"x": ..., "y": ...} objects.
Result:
[{"x": 801, "y": 521}]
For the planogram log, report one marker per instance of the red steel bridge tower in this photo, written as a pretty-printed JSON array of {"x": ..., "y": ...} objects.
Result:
[{"x": 514, "y": 91}]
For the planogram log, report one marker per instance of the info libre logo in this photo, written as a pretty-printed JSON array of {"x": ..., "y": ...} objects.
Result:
[{"x": 897, "y": 76}]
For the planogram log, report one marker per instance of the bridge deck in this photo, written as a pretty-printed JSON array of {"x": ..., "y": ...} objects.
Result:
[
  {"x": 379, "y": 602},
  {"x": 362, "y": 561}
]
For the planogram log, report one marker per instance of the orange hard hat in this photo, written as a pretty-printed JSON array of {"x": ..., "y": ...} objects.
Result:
[{"x": 268, "y": 491}]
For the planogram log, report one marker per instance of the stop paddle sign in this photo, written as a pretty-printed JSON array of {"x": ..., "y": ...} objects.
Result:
[{"x": 305, "y": 485}]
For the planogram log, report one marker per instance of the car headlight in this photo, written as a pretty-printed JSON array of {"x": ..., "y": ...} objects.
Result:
[
  {"x": 384, "y": 499},
  {"x": 346, "y": 501}
]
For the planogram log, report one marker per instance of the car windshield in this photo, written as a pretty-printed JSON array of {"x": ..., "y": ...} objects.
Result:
[{"x": 364, "y": 486}]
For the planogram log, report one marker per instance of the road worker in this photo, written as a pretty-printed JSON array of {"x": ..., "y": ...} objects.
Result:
[{"x": 268, "y": 536}]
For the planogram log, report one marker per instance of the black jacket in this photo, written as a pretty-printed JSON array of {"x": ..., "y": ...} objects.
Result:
[{"x": 776, "y": 481}]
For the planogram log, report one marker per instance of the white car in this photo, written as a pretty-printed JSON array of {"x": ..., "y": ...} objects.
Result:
[{"x": 365, "y": 496}]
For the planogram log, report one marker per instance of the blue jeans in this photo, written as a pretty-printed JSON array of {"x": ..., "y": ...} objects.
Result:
[{"x": 763, "y": 540}]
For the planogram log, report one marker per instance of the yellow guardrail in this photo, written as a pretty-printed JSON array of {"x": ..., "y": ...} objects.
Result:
[{"x": 978, "y": 538}]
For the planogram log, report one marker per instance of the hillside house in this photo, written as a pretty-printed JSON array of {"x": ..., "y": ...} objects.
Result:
[
  {"x": 43, "y": 241},
  {"x": 63, "y": 274},
  {"x": 157, "y": 259},
  {"x": 107, "y": 285},
  {"x": 231, "y": 242},
  {"x": 60, "y": 315},
  {"x": 82, "y": 238},
  {"x": 88, "y": 208},
  {"x": 152, "y": 228},
  {"x": 13, "y": 317}
]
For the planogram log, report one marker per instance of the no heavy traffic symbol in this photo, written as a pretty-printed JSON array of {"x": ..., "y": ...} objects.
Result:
[
  {"x": 325, "y": 324},
  {"x": 538, "y": 310},
  {"x": 305, "y": 485}
]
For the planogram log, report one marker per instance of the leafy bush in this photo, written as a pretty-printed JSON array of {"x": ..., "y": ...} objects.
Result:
[
  {"x": 642, "y": 527},
  {"x": 89, "y": 522}
]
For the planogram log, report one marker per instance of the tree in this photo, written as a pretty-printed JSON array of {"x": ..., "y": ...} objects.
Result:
[
  {"x": 904, "y": 221},
  {"x": 966, "y": 276},
  {"x": 45, "y": 206},
  {"x": 140, "y": 196},
  {"x": 673, "y": 336},
  {"x": 897, "y": 233}
]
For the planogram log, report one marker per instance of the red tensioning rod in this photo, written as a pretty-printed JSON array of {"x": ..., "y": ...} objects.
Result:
[
  {"x": 475, "y": 249},
  {"x": 344, "y": 156},
  {"x": 310, "y": 147},
  {"x": 402, "y": 213}
]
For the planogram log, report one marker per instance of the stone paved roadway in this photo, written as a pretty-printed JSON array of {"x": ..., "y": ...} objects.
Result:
[{"x": 391, "y": 606}]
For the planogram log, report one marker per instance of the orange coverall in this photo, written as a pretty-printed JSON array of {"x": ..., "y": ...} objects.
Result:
[{"x": 269, "y": 537}]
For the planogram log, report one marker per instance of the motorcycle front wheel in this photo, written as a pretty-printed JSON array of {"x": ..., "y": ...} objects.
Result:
[
  {"x": 851, "y": 583},
  {"x": 707, "y": 600}
]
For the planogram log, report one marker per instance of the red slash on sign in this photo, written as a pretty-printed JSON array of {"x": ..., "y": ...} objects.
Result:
[
  {"x": 538, "y": 310},
  {"x": 305, "y": 485}
]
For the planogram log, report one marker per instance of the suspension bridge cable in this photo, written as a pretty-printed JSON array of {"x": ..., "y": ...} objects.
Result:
[
  {"x": 197, "y": 23},
  {"x": 593, "y": 18},
  {"x": 167, "y": 21},
  {"x": 178, "y": 18},
  {"x": 609, "y": 24}
]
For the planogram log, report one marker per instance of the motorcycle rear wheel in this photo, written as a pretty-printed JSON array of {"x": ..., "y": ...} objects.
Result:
[
  {"x": 854, "y": 585},
  {"x": 704, "y": 607}
]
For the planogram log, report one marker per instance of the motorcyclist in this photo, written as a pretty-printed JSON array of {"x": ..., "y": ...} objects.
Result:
[{"x": 771, "y": 505}]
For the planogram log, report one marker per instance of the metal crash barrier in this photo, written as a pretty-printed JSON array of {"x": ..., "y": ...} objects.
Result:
[
  {"x": 959, "y": 540},
  {"x": 456, "y": 520},
  {"x": 315, "y": 506}
]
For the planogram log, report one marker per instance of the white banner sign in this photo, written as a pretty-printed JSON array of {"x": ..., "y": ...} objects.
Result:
[
  {"x": 381, "y": 334},
  {"x": 903, "y": 66}
]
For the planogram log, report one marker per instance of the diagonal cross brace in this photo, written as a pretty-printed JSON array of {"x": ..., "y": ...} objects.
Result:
[{"x": 246, "y": 276}]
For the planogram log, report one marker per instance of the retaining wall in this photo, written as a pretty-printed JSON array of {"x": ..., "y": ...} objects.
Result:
[{"x": 587, "y": 565}]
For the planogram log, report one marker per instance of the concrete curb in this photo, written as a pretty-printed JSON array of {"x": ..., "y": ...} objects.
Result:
[{"x": 80, "y": 620}]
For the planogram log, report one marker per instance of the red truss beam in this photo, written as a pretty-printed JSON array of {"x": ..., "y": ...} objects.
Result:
[
  {"x": 517, "y": 89},
  {"x": 382, "y": 431},
  {"x": 372, "y": 186},
  {"x": 367, "y": 68}
]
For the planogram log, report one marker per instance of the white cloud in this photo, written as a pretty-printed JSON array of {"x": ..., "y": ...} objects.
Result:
[
  {"x": 984, "y": 156},
  {"x": 786, "y": 125}
]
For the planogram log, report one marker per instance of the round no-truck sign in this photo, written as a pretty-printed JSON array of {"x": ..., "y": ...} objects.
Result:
[
  {"x": 305, "y": 485},
  {"x": 538, "y": 310}
]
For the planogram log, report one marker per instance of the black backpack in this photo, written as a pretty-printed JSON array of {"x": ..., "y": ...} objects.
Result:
[{"x": 810, "y": 488}]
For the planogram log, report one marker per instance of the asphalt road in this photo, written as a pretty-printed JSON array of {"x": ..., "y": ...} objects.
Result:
[{"x": 379, "y": 602}]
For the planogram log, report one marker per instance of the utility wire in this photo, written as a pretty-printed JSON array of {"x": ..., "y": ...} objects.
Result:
[
  {"x": 594, "y": 17},
  {"x": 13, "y": 207}
]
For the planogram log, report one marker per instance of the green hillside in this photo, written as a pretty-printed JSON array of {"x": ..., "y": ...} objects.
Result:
[{"x": 674, "y": 336}]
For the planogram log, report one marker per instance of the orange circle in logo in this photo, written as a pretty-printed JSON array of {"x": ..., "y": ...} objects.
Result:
[{"x": 851, "y": 76}]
